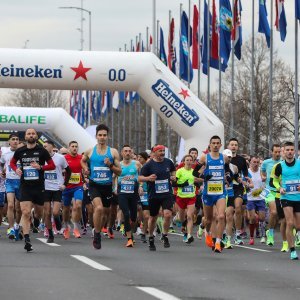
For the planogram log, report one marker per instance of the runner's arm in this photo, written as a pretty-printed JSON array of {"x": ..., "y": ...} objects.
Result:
[
  {"x": 84, "y": 162},
  {"x": 115, "y": 166}
]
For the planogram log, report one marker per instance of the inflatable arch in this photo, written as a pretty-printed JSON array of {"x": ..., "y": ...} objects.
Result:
[{"x": 89, "y": 70}]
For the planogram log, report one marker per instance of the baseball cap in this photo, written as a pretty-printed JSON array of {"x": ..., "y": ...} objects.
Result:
[{"x": 227, "y": 152}]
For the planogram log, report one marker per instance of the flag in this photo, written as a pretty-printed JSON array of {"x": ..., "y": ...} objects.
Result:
[
  {"x": 138, "y": 47},
  {"x": 237, "y": 29},
  {"x": 82, "y": 119},
  {"x": 115, "y": 101},
  {"x": 99, "y": 102},
  {"x": 93, "y": 104},
  {"x": 297, "y": 9},
  {"x": 162, "y": 51},
  {"x": 263, "y": 24},
  {"x": 280, "y": 21},
  {"x": 225, "y": 30},
  {"x": 195, "y": 48},
  {"x": 171, "y": 48},
  {"x": 214, "y": 33},
  {"x": 184, "y": 53},
  {"x": 104, "y": 103},
  {"x": 72, "y": 101},
  {"x": 214, "y": 63},
  {"x": 150, "y": 43},
  {"x": 88, "y": 108}
]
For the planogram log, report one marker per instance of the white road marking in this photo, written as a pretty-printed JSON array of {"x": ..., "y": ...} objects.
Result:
[
  {"x": 255, "y": 249},
  {"x": 49, "y": 244},
  {"x": 157, "y": 293},
  {"x": 91, "y": 263},
  {"x": 174, "y": 233}
]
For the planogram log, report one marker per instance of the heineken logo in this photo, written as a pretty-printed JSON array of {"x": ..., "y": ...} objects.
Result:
[
  {"x": 187, "y": 115},
  {"x": 18, "y": 119}
]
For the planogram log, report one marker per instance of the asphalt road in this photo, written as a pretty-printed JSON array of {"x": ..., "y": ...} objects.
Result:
[{"x": 74, "y": 270}]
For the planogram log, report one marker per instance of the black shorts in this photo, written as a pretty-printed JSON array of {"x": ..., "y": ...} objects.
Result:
[
  {"x": 54, "y": 196},
  {"x": 156, "y": 203},
  {"x": 101, "y": 191},
  {"x": 86, "y": 197},
  {"x": 35, "y": 194},
  {"x": 279, "y": 209},
  {"x": 114, "y": 200},
  {"x": 294, "y": 204},
  {"x": 238, "y": 191},
  {"x": 230, "y": 202}
]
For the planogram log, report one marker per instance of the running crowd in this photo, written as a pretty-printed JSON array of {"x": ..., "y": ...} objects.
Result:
[{"x": 146, "y": 194}]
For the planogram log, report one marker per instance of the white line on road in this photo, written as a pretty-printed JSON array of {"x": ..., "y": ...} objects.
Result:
[
  {"x": 174, "y": 233},
  {"x": 255, "y": 249},
  {"x": 157, "y": 293},
  {"x": 49, "y": 244},
  {"x": 91, "y": 263}
]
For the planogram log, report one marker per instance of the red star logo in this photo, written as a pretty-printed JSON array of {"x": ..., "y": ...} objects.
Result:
[
  {"x": 184, "y": 93},
  {"x": 80, "y": 71}
]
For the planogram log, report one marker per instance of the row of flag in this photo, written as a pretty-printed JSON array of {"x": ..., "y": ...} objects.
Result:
[{"x": 97, "y": 104}]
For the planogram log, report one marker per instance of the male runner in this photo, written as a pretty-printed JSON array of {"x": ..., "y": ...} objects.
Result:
[
  {"x": 32, "y": 159},
  {"x": 100, "y": 162}
]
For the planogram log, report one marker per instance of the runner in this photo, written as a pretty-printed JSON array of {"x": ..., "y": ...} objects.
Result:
[
  {"x": 158, "y": 173},
  {"x": 55, "y": 183},
  {"x": 212, "y": 165},
  {"x": 12, "y": 186},
  {"x": 32, "y": 159},
  {"x": 289, "y": 170},
  {"x": 73, "y": 193},
  {"x": 100, "y": 162}
]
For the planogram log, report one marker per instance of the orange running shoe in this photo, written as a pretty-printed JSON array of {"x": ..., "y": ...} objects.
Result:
[
  {"x": 218, "y": 248},
  {"x": 76, "y": 233},
  {"x": 67, "y": 233},
  {"x": 110, "y": 233},
  {"x": 129, "y": 243},
  {"x": 209, "y": 241}
]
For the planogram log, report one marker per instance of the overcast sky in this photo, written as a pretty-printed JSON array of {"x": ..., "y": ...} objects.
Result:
[{"x": 40, "y": 24}]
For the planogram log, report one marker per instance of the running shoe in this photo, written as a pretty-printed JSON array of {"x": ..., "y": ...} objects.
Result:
[
  {"x": 139, "y": 231},
  {"x": 93, "y": 232},
  {"x": 110, "y": 233},
  {"x": 50, "y": 240},
  {"x": 97, "y": 241},
  {"x": 209, "y": 240},
  {"x": 238, "y": 240},
  {"x": 129, "y": 243},
  {"x": 76, "y": 233},
  {"x": 263, "y": 240},
  {"x": 228, "y": 245},
  {"x": 84, "y": 231},
  {"x": 285, "y": 246},
  {"x": 166, "y": 242},
  {"x": 200, "y": 232},
  {"x": 55, "y": 231},
  {"x": 17, "y": 233},
  {"x": 41, "y": 227},
  {"x": 185, "y": 238},
  {"x": 218, "y": 248},
  {"x": 28, "y": 246},
  {"x": 244, "y": 235},
  {"x": 294, "y": 255},
  {"x": 46, "y": 232},
  {"x": 118, "y": 227},
  {"x": 143, "y": 238},
  {"x": 104, "y": 231},
  {"x": 270, "y": 238},
  {"x": 66, "y": 233},
  {"x": 189, "y": 240},
  {"x": 35, "y": 230},
  {"x": 151, "y": 244},
  {"x": 297, "y": 242},
  {"x": 251, "y": 242},
  {"x": 11, "y": 233},
  {"x": 171, "y": 229}
]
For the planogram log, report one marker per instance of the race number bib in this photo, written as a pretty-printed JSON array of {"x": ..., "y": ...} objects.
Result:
[
  {"x": 50, "y": 175},
  {"x": 30, "y": 173},
  {"x": 127, "y": 186},
  {"x": 256, "y": 192},
  {"x": 265, "y": 193},
  {"x": 187, "y": 189},
  {"x": 144, "y": 198},
  {"x": 292, "y": 187},
  {"x": 101, "y": 174},
  {"x": 75, "y": 178},
  {"x": 162, "y": 186},
  {"x": 214, "y": 187}
]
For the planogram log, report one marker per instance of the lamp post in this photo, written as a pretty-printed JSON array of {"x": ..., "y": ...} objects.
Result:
[{"x": 90, "y": 21}]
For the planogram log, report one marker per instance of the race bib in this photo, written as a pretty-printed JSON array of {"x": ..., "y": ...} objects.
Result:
[
  {"x": 187, "y": 189},
  {"x": 144, "y": 198},
  {"x": 30, "y": 173},
  {"x": 292, "y": 187},
  {"x": 162, "y": 186},
  {"x": 256, "y": 192},
  {"x": 214, "y": 188},
  {"x": 265, "y": 193},
  {"x": 127, "y": 187},
  {"x": 101, "y": 174},
  {"x": 75, "y": 178},
  {"x": 50, "y": 175}
]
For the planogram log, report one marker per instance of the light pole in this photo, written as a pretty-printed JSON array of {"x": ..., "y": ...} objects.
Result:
[{"x": 90, "y": 22}]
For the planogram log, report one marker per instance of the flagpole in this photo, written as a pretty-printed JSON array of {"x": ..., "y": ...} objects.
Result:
[
  {"x": 252, "y": 83},
  {"x": 271, "y": 80},
  {"x": 147, "y": 108},
  {"x": 199, "y": 51},
  {"x": 296, "y": 91},
  {"x": 129, "y": 105},
  {"x": 220, "y": 79},
  {"x": 124, "y": 110},
  {"x": 135, "y": 106},
  {"x": 139, "y": 105},
  {"x": 168, "y": 127},
  {"x": 189, "y": 43},
  {"x": 208, "y": 53},
  {"x": 112, "y": 118},
  {"x": 153, "y": 113},
  {"x": 232, "y": 85}
]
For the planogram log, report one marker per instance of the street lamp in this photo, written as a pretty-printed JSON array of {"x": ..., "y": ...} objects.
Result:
[{"x": 90, "y": 21}]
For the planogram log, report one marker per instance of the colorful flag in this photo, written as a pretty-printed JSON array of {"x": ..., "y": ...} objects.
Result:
[
  {"x": 116, "y": 101},
  {"x": 297, "y": 9},
  {"x": 237, "y": 28},
  {"x": 184, "y": 52},
  {"x": 225, "y": 30},
  {"x": 162, "y": 51},
  {"x": 195, "y": 48},
  {"x": 104, "y": 103},
  {"x": 83, "y": 108},
  {"x": 138, "y": 47},
  {"x": 99, "y": 102},
  {"x": 263, "y": 24},
  {"x": 280, "y": 21},
  {"x": 171, "y": 48},
  {"x": 94, "y": 108},
  {"x": 150, "y": 43},
  {"x": 214, "y": 33}
]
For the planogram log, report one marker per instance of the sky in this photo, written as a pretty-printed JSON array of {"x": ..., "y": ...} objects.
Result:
[{"x": 41, "y": 24}]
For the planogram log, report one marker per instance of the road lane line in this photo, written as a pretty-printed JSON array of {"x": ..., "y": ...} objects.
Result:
[
  {"x": 157, "y": 293},
  {"x": 49, "y": 244},
  {"x": 91, "y": 263},
  {"x": 255, "y": 249}
]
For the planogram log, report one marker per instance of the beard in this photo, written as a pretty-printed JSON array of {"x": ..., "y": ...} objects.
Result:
[{"x": 31, "y": 140}]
